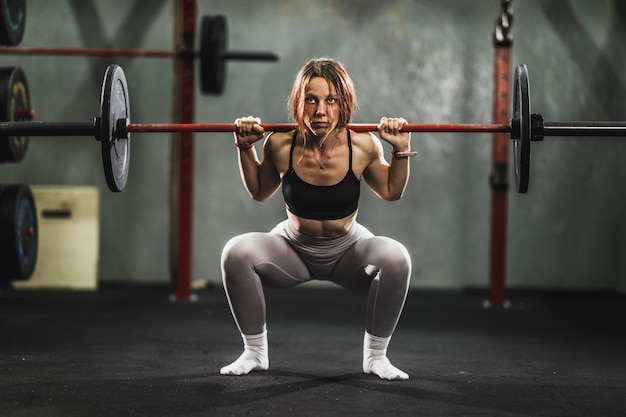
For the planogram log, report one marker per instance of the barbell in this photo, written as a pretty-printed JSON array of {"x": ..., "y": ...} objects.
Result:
[
  {"x": 112, "y": 128},
  {"x": 212, "y": 55}
]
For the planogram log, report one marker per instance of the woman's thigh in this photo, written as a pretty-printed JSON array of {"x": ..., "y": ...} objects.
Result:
[
  {"x": 362, "y": 262},
  {"x": 269, "y": 255}
]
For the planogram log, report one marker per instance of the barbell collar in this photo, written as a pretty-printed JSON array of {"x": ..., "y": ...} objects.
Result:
[
  {"x": 536, "y": 127},
  {"x": 515, "y": 128},
  {"x": 121, "y": 128}
]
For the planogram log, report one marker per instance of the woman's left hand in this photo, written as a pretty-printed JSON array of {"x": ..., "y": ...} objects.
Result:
[{"x": 389, "y": 131}]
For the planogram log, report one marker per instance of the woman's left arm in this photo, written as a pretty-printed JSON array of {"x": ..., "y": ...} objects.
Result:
[{"x": 389, "y": 179}]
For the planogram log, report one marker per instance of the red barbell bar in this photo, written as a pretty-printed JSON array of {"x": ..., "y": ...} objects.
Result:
[{"x": 286, "y": 127}]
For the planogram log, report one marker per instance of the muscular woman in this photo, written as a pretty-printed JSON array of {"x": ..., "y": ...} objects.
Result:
[{"x": 319, "y": 167}]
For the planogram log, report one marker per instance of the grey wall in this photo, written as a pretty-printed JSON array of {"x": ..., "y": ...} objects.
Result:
[{"x": 426, "y": 61}]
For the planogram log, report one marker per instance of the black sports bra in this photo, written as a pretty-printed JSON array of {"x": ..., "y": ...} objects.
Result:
[{"x": 321, "y": 202}]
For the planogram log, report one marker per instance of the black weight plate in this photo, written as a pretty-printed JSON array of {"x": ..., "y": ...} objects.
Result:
[
  {"x": 13, "y": 15},
  {"x": 14, "y": 96},
  {"x": 522, "y": 122},
  {"x": 114, "y": 104},
  {"x": 213, "y": 42},
  {"x": 18, "y": 233}
]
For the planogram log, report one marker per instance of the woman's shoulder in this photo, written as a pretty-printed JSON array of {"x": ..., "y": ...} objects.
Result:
[
  {"x": 280, "y": 139},
  {"x": 278, "y": 145},
  {"x": 365, "y": 141}
]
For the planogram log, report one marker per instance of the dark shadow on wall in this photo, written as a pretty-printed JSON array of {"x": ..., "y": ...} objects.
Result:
[
  {"x": 596, "y": 62},
  {"x": 131, "y": 32}
]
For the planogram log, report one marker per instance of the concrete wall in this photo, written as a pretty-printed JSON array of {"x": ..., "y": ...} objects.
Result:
[{"x": 426, "y": 61}]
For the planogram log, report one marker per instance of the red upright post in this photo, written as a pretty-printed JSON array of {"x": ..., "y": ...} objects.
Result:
[
  {"x": 186, "y": 12},
  {"x": 500, "y": 156}
]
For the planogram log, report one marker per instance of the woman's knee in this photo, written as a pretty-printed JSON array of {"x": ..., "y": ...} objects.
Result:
[
  {"x": 239, "y": 256},
  {"x": 237, "y": 249},
  {"x": 389, "y": 253}
]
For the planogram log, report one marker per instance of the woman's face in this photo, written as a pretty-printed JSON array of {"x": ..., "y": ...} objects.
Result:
[{"x": 321, "y": 107}]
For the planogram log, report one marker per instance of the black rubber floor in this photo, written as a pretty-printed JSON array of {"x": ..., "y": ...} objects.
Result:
[{"x": 128, "y": 351}]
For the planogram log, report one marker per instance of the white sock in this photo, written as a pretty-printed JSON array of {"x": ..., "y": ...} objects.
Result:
[
  {"x": 375, "y": 359},
  {"x": 254, "y": 357}
]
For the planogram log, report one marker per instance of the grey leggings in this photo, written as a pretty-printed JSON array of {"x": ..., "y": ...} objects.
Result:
[{"x": 284, "y": 258}]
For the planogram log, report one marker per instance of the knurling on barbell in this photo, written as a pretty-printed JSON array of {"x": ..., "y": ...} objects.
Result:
[
  {"x": 113, "y": 128},
  {"x": 212, "y": 55}
]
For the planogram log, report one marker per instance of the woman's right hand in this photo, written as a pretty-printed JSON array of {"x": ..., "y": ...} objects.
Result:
[{"x": 248, "y": 131}]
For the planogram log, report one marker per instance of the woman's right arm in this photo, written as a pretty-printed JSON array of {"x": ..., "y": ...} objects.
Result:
[{"x": 260, "y": 177}]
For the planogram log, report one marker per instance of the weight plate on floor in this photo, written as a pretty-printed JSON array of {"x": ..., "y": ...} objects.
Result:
[
  {"x": 13, "y": 15},
  {"x": 521, "y": 128},
  {"x": 14, "y": 96},
  {"x": 114, "y": 104},
  {"x": 213, "y": 42},
  {"x": 18, "y": 233}
]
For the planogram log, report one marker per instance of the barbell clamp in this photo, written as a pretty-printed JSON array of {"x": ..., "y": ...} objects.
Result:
[
  {"x": 188, "y": 54},
  {"x": 536, "y": 127},
  {"x": 515, "y": 128},
  {"x": 121, "y": 128},
  {"x": 96, "y": 128}
]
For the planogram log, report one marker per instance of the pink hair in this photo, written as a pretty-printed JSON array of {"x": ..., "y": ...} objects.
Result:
[{"x": 335, "y": 73}]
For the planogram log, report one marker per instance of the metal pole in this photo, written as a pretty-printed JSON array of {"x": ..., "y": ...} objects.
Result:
[
  {"x": 500, "y": 157},
  {"x": 184, "y": 155}
]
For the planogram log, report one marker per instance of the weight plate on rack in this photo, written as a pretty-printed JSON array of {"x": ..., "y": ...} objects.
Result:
[
  {"x": 213, "y": 42},
  {"x": 18, "y": 233},
  {"x": 13, "y": 15},
  {"x": 521, "y": 128},
  {"x": 114, "y": 105},
  {"x": 14, "y": 97}
]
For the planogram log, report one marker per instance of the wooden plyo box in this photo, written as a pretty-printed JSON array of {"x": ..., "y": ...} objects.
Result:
[{"x": 69, "y": 236}]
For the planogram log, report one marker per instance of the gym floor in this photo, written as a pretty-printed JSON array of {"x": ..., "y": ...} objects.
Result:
[{"x": 129, "y": 351}]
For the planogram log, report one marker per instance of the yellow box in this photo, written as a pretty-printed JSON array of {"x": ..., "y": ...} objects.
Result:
[{"x": 69, "y": 238}]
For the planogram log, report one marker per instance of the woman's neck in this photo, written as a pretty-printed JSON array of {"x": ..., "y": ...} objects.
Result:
[{"x": 312, "y": 141}]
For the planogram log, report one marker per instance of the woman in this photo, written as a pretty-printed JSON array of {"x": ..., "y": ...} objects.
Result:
[{"x": 319, "y": 167}]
